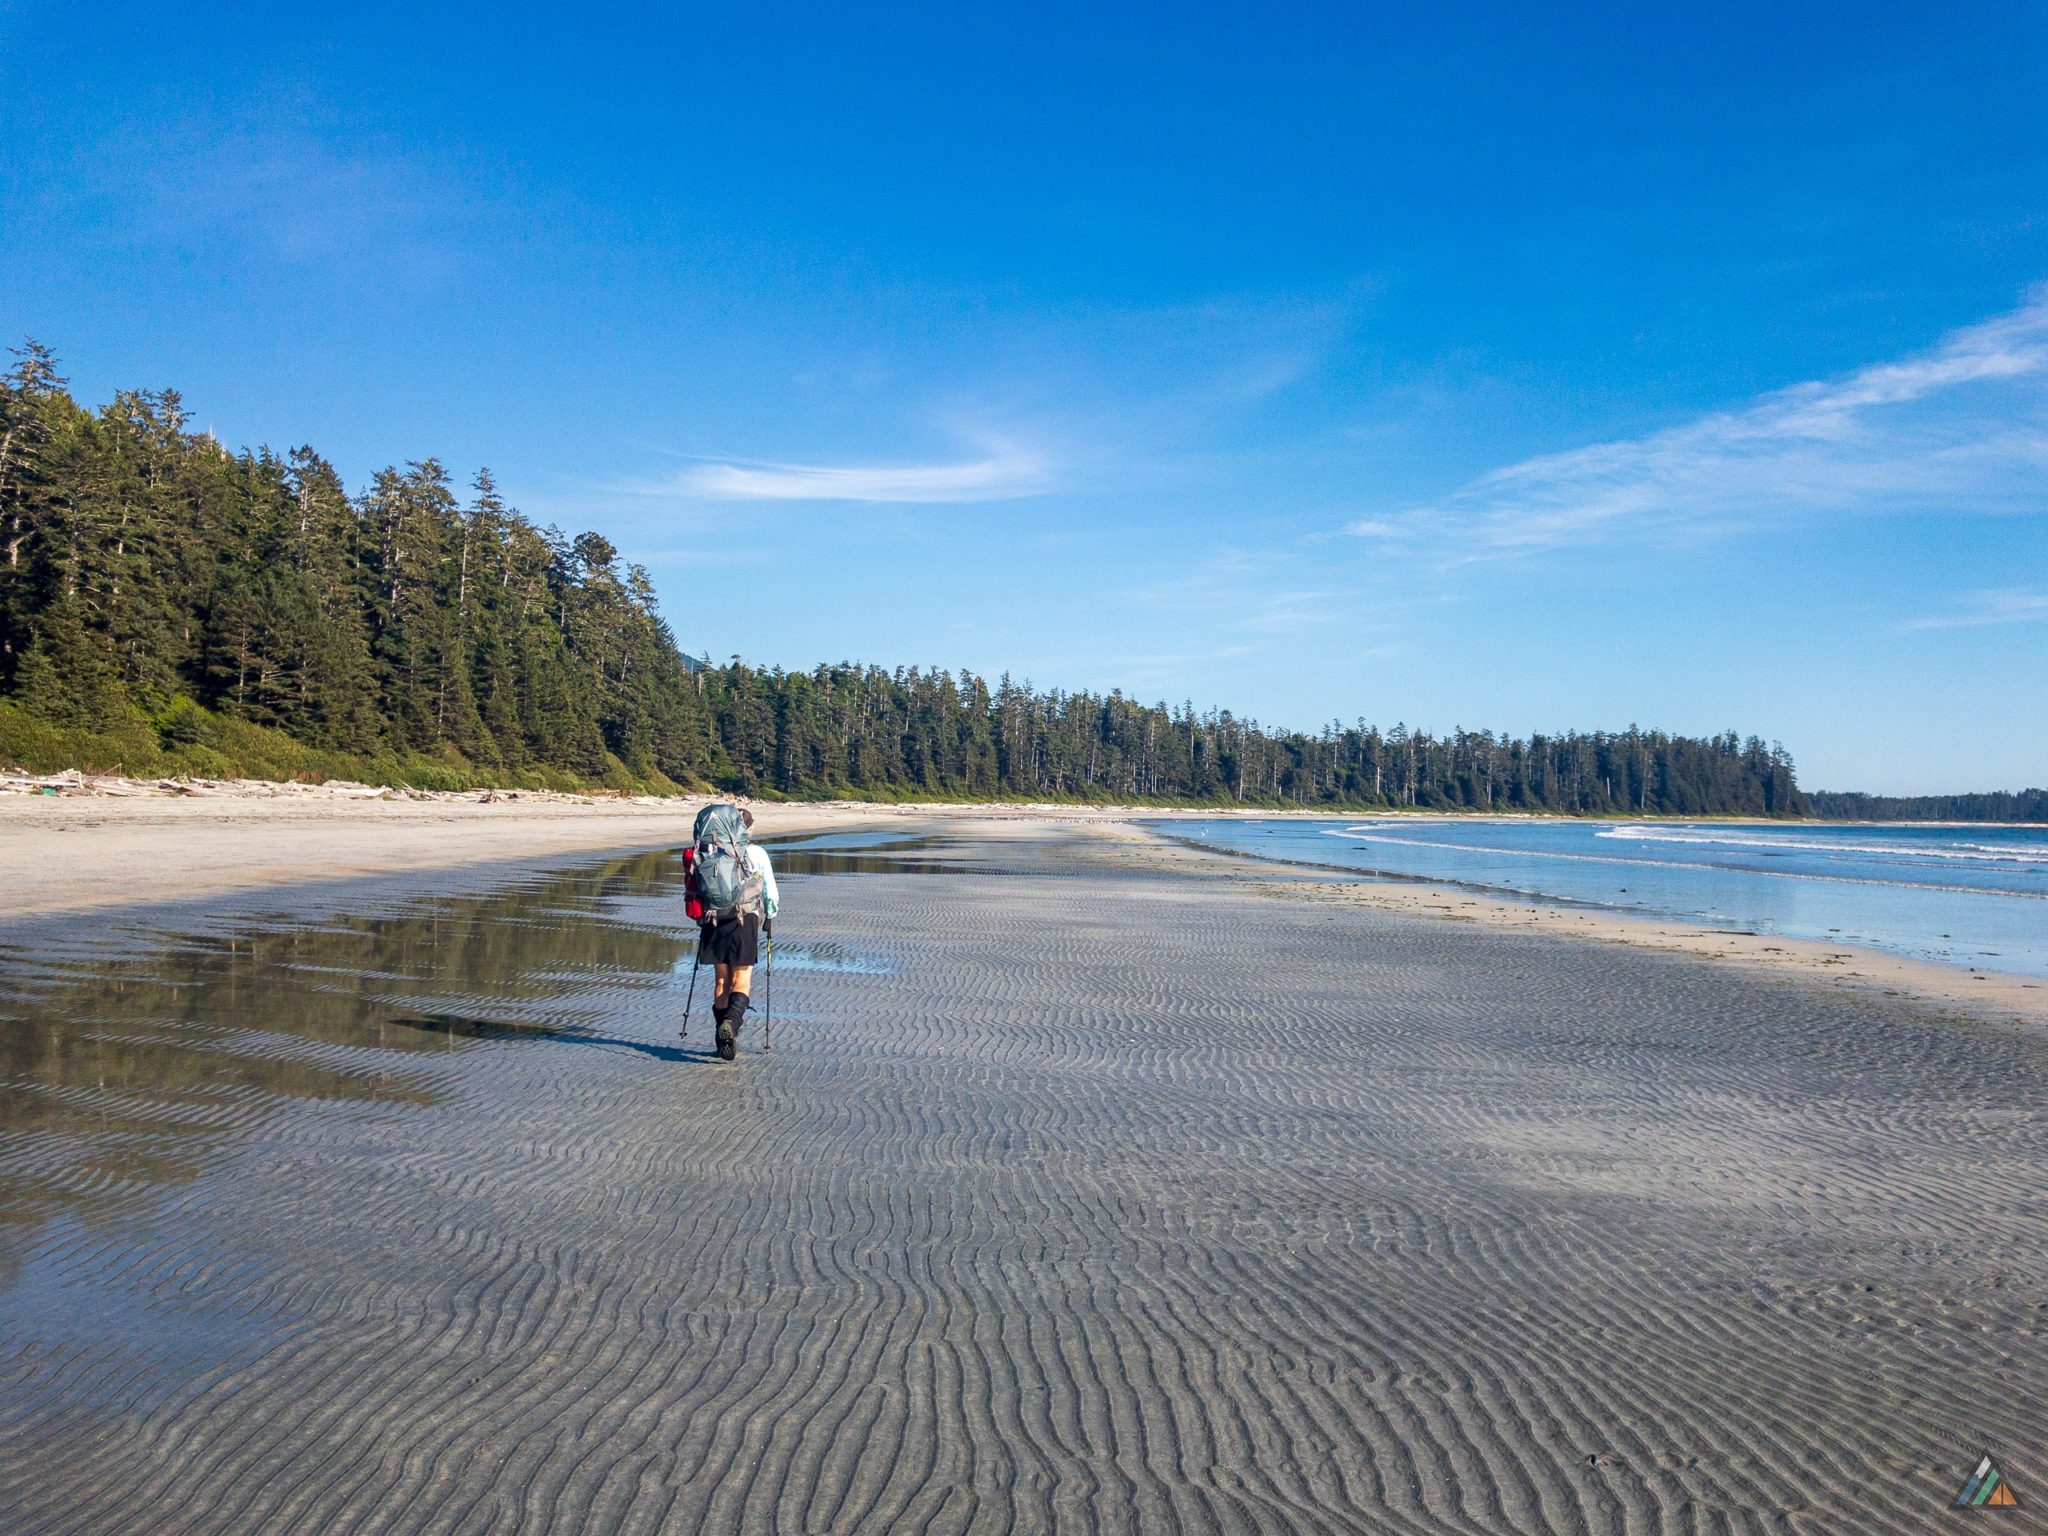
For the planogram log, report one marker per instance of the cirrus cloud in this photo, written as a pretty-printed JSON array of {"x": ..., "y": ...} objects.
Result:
[
  {"x": 1998, "y": 605},
  {"x": 1004, "y": 473},
  {"x": 1960, "y": 428}
]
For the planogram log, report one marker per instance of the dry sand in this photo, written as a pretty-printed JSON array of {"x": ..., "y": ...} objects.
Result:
[
  {"x": 66, "y": 853},
  {"x": 1092, "y": 1188},
  {"x": 104, "y": 841}
]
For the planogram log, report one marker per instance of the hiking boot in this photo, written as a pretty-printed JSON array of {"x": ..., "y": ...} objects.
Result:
[{"x": 729, "y": 1030}]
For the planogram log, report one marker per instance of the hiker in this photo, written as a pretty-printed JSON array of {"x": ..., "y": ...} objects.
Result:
[{"x": 735, "y": 884}]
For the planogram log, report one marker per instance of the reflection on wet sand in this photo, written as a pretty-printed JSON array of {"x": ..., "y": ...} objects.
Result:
[
  {"x": 871, "y": 853},
  {"x": 129, "y": 1061},
  {"x": 129, "y": 1058}
]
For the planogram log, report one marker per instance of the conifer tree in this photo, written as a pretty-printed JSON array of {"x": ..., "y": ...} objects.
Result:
[{"x": 141, "y": 565}]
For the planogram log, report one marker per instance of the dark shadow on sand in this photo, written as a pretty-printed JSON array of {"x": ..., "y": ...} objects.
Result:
[{"x": 498, "y": 1029}]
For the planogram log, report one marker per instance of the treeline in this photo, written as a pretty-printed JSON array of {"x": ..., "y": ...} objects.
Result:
[
  {"x": 1991, "y": 805},
  {"x": 169, "y": 606},
  {"x": 841, "y": 729},
  {"x": 407, "y": 631}
]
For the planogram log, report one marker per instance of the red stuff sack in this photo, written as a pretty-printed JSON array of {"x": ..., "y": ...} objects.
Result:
[{"x": 693, "y": 902}]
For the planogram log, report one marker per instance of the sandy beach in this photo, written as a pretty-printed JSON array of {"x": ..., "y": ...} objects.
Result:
[
  {"x": 78, "y": 852},
  {"x": 1093, "y": 1184},
  {"x": 70, "y": 853}
]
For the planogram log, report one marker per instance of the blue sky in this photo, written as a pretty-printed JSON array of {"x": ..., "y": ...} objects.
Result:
[{"x": 1484, "y": 366}]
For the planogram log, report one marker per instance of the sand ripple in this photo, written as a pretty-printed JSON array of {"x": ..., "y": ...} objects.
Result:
[{"x": 1081, "y": 1204}]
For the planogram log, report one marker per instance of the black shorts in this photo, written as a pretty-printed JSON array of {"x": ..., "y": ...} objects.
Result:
[{"x": 736, "y": 941}]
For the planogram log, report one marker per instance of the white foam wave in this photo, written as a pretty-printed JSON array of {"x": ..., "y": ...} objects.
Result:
[
  {"x": 1989, "y": 853},
  {"x": 1375, "y": 832}
]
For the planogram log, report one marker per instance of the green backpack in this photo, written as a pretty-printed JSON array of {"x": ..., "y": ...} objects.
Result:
[{"x": 725, "y": 884}]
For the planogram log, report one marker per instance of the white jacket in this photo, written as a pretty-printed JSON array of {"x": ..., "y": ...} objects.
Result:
[{"x": 757, "y": 863}]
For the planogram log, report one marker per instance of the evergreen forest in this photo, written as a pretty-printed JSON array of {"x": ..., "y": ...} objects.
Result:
[
  {"x": 170, "y": 607},
  {"x": 1988, "y": 805}
]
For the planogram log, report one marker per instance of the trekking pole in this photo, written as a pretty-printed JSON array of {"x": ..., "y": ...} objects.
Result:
[
  {"x": 768, "y": 1020},
  {"x": 695, "y": 966}
]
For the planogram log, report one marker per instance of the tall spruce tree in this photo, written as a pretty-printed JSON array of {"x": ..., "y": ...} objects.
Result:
[{"x": 141, "y": 564}]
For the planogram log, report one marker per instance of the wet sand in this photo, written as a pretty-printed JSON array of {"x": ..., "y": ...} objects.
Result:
[
  {"x": 1084, "y": 1190},
  {"x": 96, "y": 847},
  {"x": 1855, "y": 968}
]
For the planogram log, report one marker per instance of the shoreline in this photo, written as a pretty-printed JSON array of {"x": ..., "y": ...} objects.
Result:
[
  {"x": 1855, "y": 968},
  {"x": 82, "y": 852},
  {"x": 16, "y": 783},
  {"x": 75, "y": 854}
]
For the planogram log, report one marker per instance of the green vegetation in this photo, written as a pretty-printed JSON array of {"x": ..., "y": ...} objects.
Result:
[
  {"x": 168, "y": 607},
  {"x": 1991, "y": 805}
]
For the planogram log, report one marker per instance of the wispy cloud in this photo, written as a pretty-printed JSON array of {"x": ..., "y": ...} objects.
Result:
[
  {"x": 1381, "y": 528},
  {"x": 304, "y": 193},
  {"x": 2000, "y": 605},
  {"x": 1234, "y": 592},
  {"x": 1004, "y": 473},
  {"x": 1963, "y": 427}
]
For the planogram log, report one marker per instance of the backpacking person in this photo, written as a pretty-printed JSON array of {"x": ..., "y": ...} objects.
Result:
[{"x": 732, "y": 884}]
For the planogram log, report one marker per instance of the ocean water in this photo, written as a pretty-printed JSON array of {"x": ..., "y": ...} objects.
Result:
[{"x": 1969, "y": 896}]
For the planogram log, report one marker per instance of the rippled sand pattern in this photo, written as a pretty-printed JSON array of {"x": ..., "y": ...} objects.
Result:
[{"x": 1083, "y": 1203}]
